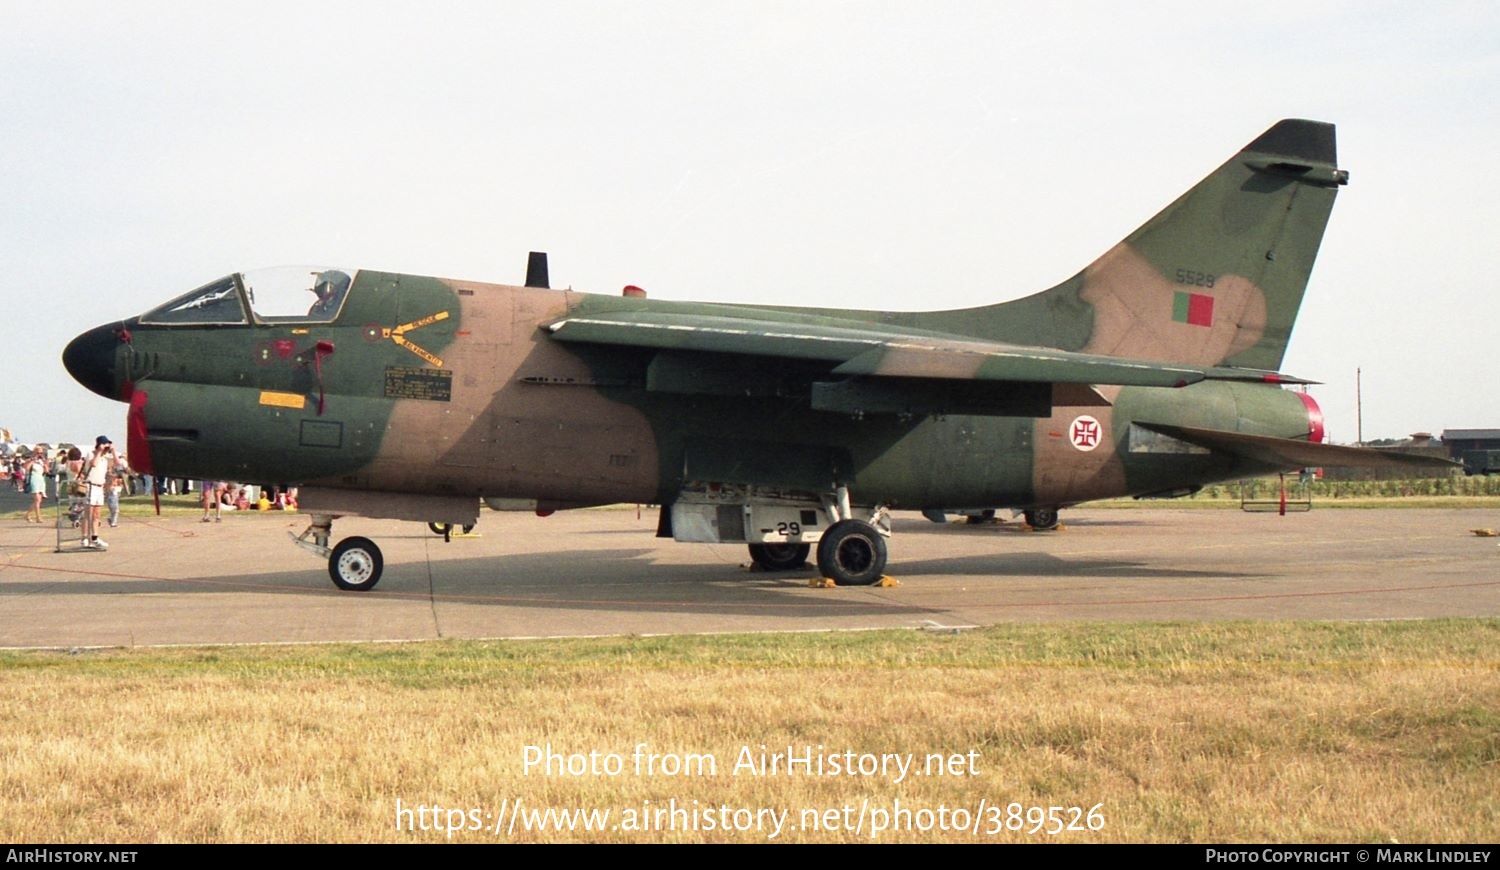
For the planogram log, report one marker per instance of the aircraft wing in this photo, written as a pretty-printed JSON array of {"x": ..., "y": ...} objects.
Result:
[
  {"x": 870, "y": 351},
  {"x": 1295, "y": 453}
]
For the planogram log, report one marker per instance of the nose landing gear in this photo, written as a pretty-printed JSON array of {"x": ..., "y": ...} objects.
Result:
[{"x": 354, "y": 565}]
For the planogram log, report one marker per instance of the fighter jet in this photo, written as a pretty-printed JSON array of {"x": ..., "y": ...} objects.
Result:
[{"x": 1151, "y": 372}]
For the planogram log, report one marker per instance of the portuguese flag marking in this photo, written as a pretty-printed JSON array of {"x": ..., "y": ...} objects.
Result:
[{"x": 1195, "y": 309}]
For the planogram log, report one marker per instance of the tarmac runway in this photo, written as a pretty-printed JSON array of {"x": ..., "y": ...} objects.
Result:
[{"x": 603, "y": 572}]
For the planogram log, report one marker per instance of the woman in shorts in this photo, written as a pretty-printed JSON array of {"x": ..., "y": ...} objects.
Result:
[{"x": 36, "y": 484}]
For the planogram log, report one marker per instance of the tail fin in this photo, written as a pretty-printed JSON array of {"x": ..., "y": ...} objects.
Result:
[{"x": 1215, "y": 279}]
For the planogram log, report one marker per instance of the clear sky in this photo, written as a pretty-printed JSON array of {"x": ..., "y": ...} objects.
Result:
[{"x": 867, "y": 155}]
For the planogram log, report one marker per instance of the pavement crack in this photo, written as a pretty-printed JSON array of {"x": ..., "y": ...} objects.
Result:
[{"x": 437, "y": 626}]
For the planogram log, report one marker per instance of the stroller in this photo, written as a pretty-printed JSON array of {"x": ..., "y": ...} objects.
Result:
[{"x": 77, "y": 504}]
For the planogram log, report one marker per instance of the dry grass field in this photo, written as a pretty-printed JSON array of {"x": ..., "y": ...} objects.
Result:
[{"x": 1306, "y": 732}]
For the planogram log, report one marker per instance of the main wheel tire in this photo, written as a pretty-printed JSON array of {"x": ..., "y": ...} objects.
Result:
[
  {"x": 780, "y": 557},
  {"x": 442, "y": 528},
  {"x": 355, "y": 565},
  {"x": 852, "y": 553},
  {"x": 1043, "y": 519}
]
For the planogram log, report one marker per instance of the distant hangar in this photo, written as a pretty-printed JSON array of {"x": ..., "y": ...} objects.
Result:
[{"x": 1477, "y": 449}]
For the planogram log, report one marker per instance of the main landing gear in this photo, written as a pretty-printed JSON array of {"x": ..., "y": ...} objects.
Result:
[
  {"x": 447, "y": 529},
  {"x": 1043, "y": 519},
  {"x": 355, "y": 564},
  {"x": 850, "y": 553},
  {"x": 784, "y": 527},
  {"x": 853, "y": 553},
  {"x": 780, "y": 557}
]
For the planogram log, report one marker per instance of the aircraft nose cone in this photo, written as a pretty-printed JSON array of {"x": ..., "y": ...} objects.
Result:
[{"x": 90, "y": 359}]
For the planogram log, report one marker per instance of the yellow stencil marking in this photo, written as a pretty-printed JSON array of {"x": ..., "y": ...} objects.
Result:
[
  {"x": 282, "y": 400},
  {"x": 398, "y": 335},
  {"x": 419, "y": 351}
]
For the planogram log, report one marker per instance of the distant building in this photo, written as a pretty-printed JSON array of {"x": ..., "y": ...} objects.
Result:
[
  {"x": 1477, "y": 449},
  {"x": 1459, "y": 440}
]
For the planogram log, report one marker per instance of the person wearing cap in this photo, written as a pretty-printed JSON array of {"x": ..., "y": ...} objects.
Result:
[{"x": 96, "y": 472}]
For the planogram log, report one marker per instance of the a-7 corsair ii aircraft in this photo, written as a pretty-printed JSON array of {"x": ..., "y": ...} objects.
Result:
[{"x": 1151, "y": 372}]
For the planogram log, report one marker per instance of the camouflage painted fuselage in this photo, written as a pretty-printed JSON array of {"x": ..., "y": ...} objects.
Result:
[
  {"x": 484, "y": 403},
  {"x": 461, "y": 390}
]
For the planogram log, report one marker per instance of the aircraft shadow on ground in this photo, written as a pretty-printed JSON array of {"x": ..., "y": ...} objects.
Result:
[
  {"x": 627, "y": 580},
  {"x": 1046, "y": 566},
  {"x": 622, "y": 580},
  {"x": 1006, "y": 528}
]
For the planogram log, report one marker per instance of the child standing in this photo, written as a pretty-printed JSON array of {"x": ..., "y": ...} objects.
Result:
[{"x": 112, "y": 492}]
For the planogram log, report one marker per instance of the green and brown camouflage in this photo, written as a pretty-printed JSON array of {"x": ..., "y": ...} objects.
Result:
[{"x": 1152, "y": 371}]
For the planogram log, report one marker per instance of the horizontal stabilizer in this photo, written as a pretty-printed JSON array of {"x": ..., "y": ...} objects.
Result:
[
  {"x": 1294, "y": 453},
  {"x": 1254, "y": 376}
]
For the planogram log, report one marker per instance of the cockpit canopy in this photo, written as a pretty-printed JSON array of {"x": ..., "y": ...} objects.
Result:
[{"x": 284, "y": 294}]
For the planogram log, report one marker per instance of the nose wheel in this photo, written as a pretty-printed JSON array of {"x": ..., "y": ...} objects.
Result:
[{"x": 355, "y": 565}]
